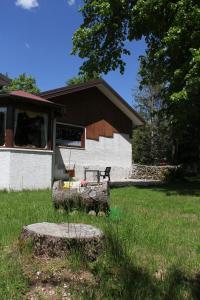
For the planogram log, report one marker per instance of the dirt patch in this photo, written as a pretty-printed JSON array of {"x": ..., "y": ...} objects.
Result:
[
  {"x": 48, "y": 292},
  {"x": 53, "y": 279}
]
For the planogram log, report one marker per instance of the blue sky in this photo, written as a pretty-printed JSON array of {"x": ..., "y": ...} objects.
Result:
[{"x": 36, "y": 38}]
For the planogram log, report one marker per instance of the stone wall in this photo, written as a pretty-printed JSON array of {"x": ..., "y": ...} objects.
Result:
[{"x": 150, "y": 172}]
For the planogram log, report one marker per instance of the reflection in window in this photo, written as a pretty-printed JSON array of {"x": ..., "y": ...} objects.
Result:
[
  {"x": 70, "y": 136},
  {"x": 2, "y": 125},
  {"x": 30, "y": 129}
]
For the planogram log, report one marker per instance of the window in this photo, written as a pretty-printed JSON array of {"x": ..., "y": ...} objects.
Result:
[
  {"x": 30, "y": 129},
  {"x": 2, "y": 125},
  {"x": 70, "y": 136}
]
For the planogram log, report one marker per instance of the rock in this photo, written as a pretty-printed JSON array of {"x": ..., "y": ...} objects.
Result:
[
  {"x": 160, "y": 274},
  {"x": 73, "y": 212},
  {"x": 92, "y": 213},
  {"x": 61, "y": 211},
  {"x": 101, "y": 214},
  {"x": 60, "y": 239}
]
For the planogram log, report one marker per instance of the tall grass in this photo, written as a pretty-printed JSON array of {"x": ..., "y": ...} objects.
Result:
[{"x": 152, "y": 243}]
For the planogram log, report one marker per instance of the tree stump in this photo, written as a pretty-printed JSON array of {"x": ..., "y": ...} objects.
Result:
[
  {"x": 62, "y": 239},
  {"x": 90, "y": 197}
]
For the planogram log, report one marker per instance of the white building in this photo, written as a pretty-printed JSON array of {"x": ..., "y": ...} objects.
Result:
[{"x": 64, "y": 132}]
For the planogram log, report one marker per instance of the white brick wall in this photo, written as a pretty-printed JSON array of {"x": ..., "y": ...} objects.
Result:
[
  {"x": 113, "y": 152},
  {"x": 25, "y": 169}
]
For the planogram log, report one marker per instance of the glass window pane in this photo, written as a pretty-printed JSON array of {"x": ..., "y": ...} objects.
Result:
[
  {"x": 30, "y": 129},
  {"x": 2, "y": 125},
  {"x": 70, "y": 136}
]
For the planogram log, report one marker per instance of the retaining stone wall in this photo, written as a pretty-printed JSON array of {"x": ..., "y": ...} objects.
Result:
[{"x": 150, "y": 172}]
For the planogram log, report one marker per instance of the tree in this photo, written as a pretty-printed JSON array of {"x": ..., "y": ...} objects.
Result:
[
  {"x": 82, "y": 78},
  {"x": 24, "y": 83},
  {"x": 152, "y": 149},
  {"x": 172, "y": 33},
  {"x": 171, "y": 30},
  {"x": 141, "y": 146},
  {"x": 152, "y": 143}
]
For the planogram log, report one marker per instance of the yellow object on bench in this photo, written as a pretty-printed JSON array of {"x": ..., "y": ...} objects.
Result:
[
  {"x": 71, "y": 184},
  {"x": 67, "y": 185}
]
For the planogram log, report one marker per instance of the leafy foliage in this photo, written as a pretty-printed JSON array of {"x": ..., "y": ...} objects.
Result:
[
  {"x": 172, "y": 33},
  {"x": 24, "y": 83},
  {"x": 171, "y": 29},
  {"x": 82, "y": 79},
  {"x": 141, "y": 145}
]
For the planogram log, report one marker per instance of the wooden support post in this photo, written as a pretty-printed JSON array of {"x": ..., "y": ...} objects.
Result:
[{"x": 9, "y": 134}]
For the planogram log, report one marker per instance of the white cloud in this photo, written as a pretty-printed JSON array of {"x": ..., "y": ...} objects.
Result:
[
  {"x": 71, "y": 2},
  {"x": 27, "y": 45},
  {"x": 28, "y": 4}
]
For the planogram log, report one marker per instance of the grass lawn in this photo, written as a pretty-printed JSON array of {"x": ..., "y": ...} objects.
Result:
[{"x": 152, "y": 247}]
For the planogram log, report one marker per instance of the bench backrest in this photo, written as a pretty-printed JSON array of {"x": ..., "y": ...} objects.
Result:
[{"x": 107, "y": 171}]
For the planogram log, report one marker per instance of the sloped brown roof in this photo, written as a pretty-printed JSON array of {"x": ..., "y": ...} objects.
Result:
[
  {"x": 24, "y": 94},
  {"x": 106, "y": 89},
  {"x": 28, "y": 97}
]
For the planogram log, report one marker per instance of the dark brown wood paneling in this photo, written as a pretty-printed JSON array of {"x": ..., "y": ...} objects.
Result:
[
  {"x": 93, "y": 110},
  {"x": 51, "y": 117},
  {"x": 9, "y": 134},
  {"x": 9, "y": 138}
]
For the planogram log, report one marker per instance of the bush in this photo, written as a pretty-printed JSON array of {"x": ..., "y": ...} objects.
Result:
[{"x": 174, "y": 174}]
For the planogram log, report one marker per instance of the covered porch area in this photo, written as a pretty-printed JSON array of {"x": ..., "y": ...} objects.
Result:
[{"x": 26, "y": 141}]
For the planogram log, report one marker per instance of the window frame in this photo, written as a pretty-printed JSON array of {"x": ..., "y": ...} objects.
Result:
[
  {"x": 4, "y": 109},
  {"x": 46, "y": 128},
  {"x": 83, "y": 138}
]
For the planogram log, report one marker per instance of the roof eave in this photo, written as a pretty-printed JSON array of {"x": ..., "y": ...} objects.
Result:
[
  {"x": 32, "y": 101},
  {"x": 69, "y": 89}
]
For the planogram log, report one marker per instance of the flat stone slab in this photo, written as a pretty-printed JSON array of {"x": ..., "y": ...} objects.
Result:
[
  {"x": 136, "y": 182},
  {"x": 60, "y": 239}
]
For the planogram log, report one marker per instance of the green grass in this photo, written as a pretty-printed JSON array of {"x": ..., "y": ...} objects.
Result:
[{"x": 152, "y": 243}]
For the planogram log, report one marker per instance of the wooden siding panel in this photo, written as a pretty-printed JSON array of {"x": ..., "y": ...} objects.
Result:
[
  {"x": 100, "y": 128},
  {"x": 93, "y": 110}
]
